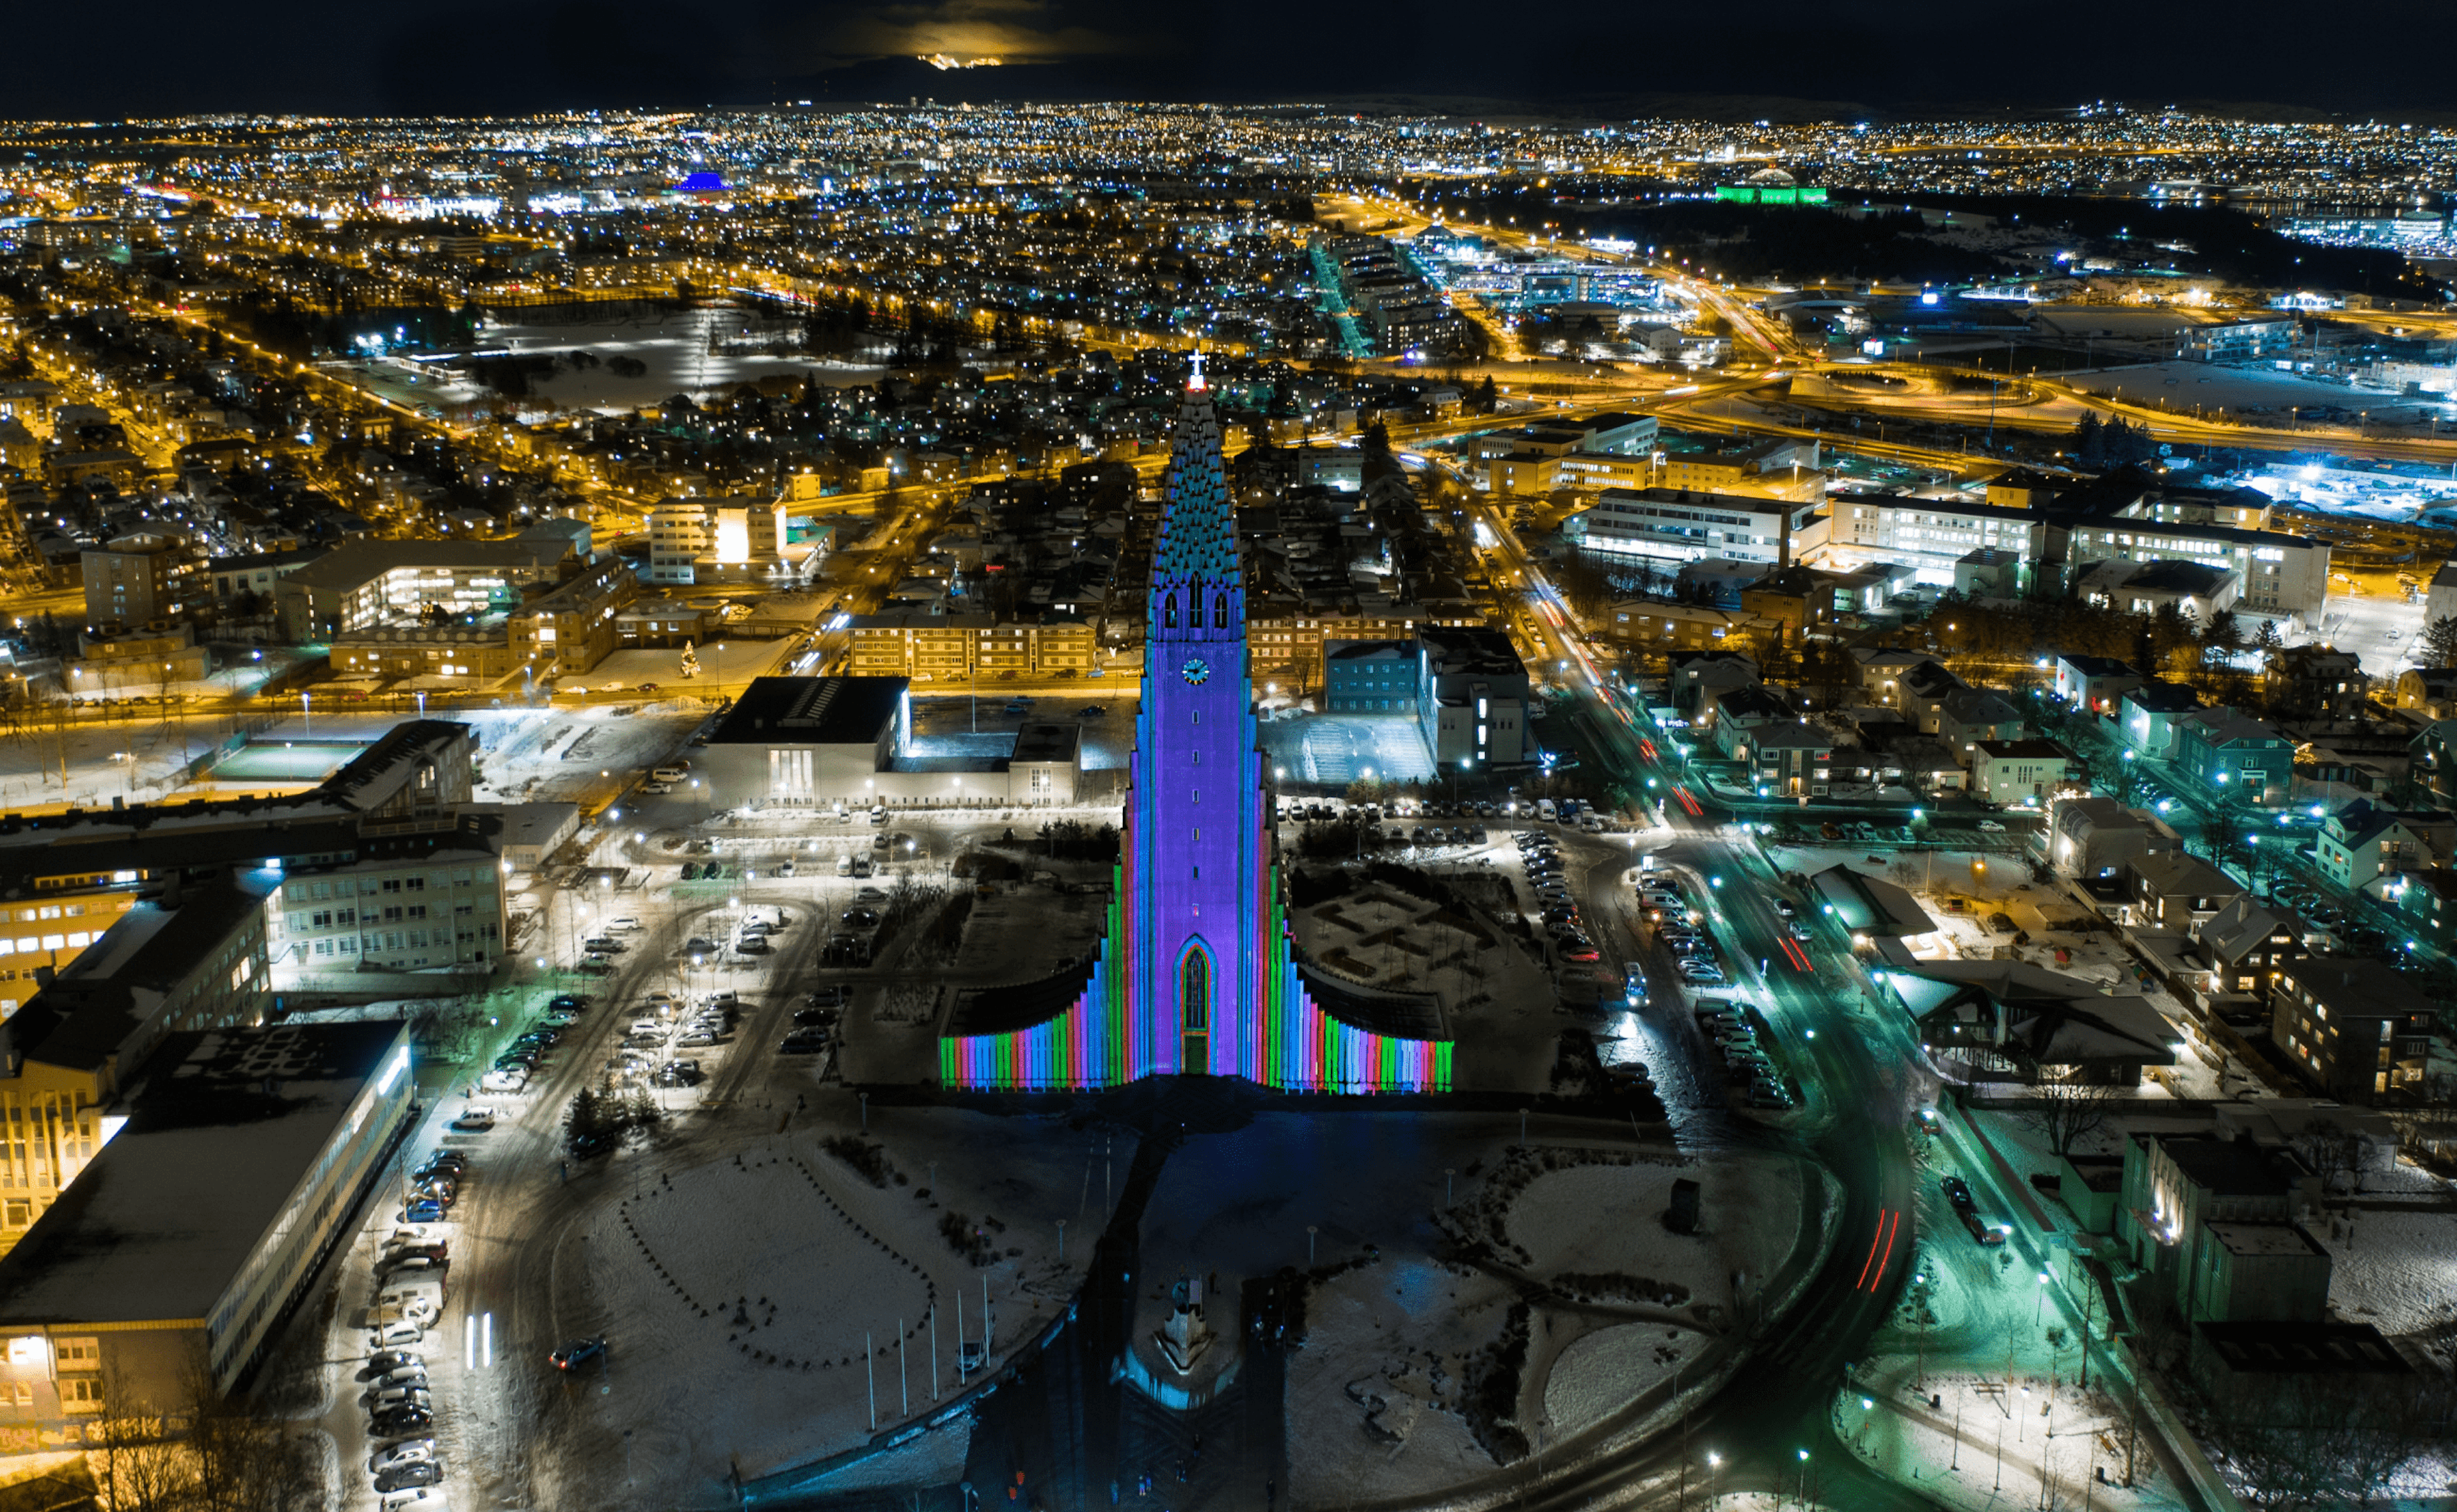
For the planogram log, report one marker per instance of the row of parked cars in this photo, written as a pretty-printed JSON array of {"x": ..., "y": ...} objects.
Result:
[
  {"x": 411, "y": 1266},
  {"x": 814, "y": 1021},
  {"x": 1679, "y": 930},
  {"x": 526, "y": 1056},
  {"x": 1542, "y": 859},
  {"x": 1732, "y": 1029}
]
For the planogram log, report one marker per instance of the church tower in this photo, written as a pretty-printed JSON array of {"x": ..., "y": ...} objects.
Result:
[
  {"x": 1197, "y": 841},
  {"x": 1196, "y": 974}
]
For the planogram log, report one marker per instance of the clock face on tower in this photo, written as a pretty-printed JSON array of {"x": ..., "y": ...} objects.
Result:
[{"x": 1195, "y": 670}]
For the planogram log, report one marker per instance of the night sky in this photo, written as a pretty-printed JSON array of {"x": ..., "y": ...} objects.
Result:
[{"x": 156, "y": 57}]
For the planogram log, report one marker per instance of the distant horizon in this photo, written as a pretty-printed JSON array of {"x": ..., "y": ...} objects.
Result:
[{"x": 1894, "y": 59}]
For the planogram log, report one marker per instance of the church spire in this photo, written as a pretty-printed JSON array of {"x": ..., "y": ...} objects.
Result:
[{"x": 1198, "y": 528}]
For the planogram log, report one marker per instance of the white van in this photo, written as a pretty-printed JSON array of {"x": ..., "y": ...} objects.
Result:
[
  {"x": 1545, "y": 811},
  {"x": 844, "y": 865},
  {"x": 671, "y": 774}
]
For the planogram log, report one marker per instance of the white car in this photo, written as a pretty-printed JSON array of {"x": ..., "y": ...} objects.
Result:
[
  {"x": 511, "y": 1079},
  {"x": 626, "y": 924},
  {"x": 421, "y": 1499},
  {"x": 400, "y": 1334},
  {"x": 1992, "y": 826},
  {"x": 475, "y": 1120},
  {"x": 393, "y": 1456}
]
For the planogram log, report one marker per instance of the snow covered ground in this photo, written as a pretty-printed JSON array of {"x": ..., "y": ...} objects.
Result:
[
  {"x": 1974, "y": 1441},
  {"x": 1400, "y": 1346},
  {"x": 775, "y": 1288},
  {"x": 674, "y": 346}
]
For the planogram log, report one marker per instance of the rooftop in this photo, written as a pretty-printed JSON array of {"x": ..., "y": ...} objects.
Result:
[
  {"x": 812, "y": 711},
  {"x": 229, "y": 1125}
]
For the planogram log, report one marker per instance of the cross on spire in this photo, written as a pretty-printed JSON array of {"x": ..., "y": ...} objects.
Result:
[{"x": 1194, "y": 384}]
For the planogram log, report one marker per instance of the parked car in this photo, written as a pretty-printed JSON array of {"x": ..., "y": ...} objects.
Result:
[
  {"x": 1983, "y": 1230},
  {"x": 474, "y": 1121},
  {"x": 1957, "y": 1191},
  {"x": 424, "y": 1209},
  {"x": 679, "y": 1073},
  {"x": 408, "y": 1474},
  {"x": 423, "y": 1499},
  {"x": 576, "y": 1353},
  {"x": 406, "y": 1451},
  {"x": 397, "y": 1334}
]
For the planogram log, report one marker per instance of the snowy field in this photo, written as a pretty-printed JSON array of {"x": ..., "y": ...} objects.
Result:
[
  {"x": 757, "y": 1281},
  {"x": 1974, "y": 1441},
  {"x": 2243, "y": 390},
  {"x": 674, "y": 346},
  {"x": 1395, "y": 1346}
]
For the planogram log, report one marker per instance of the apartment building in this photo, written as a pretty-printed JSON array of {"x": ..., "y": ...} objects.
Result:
[
  {"x": 2277, "y": 574},
  {"x": 364, "y": 583},
  {"x": 2351, "y": 1025},
  {"x": 549, "y": 632},
  {"x": 733, "y": 540},
  {"x": 939, "y": 647},
  {"x": 1363, "y": 676},
  {"x": 142, "y": 577},
  {"x": 407, "y": 903},
  {"x": 1285, "y": 647},
  {"x": 1678, "y": 524}
]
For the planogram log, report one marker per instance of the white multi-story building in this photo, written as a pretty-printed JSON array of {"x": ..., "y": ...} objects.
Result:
[
  {"x": 716, "y": 540},
  {"x": 1676, "y": 524}
]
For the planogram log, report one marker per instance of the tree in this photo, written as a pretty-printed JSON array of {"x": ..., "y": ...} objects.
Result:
[
  {"x": 2438, "y": 644},
  {"x": 2073, "y": 1111},
  {"x": 1377, "y": 439}
]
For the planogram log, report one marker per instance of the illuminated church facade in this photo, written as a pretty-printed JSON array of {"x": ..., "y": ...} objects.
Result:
[{"x": 1196, "y": 973}]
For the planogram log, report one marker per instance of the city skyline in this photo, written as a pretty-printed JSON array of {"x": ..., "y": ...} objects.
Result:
[{"x": 1905, "y": 56}]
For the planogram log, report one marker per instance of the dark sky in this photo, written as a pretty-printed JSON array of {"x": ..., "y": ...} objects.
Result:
[{"x": 158, "y": 57}]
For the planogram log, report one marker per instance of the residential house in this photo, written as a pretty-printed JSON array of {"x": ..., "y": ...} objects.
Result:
[
  {"x": 2314, "y": 682},
  {"x": 2353, "y": 1026},
  {"x": 2363, "y": 841},
  {"x": 2227, "y": 753},
  {"x": 1882, "y": 669},
  {"x": 1694, "y": 678},
  {"x": 1736, "y": 714},
  {"x": 2094, "y": 682},
  {"x": 2426, "y": 900},
  {"x": 1791, "y": 759},
  {"x": 2433, "y": 767},
  {"x": 2433, "y": 689},
  {"x": 2148, "y": 715},
  {"x": 2172, "y": 890},
  {"x": 2021, "y": 773},
  {"x": 1923, "y": 691},
  {"x": 1972, "y": 715},
  {"x": 2096, "y": 838},
  {"x": 2244, "y": 945},
  {"x": 2014, "y": 1020}
]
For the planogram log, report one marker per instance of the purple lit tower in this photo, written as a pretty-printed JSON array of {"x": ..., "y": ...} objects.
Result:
[{"x": 1196, "y": 974}]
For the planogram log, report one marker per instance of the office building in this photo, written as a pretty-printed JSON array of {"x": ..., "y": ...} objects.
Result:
[
  {"x": 1673, "y": 526},
  {"x": 200, "y": 1225}
]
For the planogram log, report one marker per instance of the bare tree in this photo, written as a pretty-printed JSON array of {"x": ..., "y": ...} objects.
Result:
[
  {"x": 2073, "y": 1111},
  {"x": 248, "y": 1460},
  {"x": 2329, "y": 1149}
]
